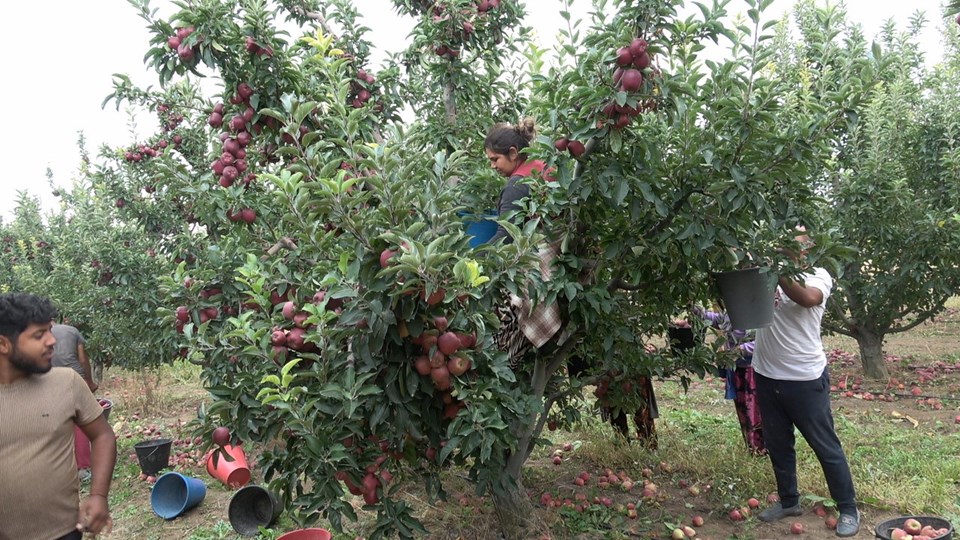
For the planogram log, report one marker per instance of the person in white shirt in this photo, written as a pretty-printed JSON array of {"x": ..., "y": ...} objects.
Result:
[{"x": 793, "y": 391}]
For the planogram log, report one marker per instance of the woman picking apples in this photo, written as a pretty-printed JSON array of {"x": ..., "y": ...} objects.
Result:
[{"x": 522, "y": 324}]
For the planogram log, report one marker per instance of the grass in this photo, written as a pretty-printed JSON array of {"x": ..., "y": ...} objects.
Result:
[{"x": 899, "y": 467}]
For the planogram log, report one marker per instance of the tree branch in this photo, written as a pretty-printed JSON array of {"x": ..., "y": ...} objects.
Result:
[
  {"x": 314, "y": 16},
  {"x": 674, "y": 211},
  {"x": 921, "y": 317},
  {"x": 618, "y": 284},
  {"x": 449, "y": 102},
  {"x": 283, "y": 243}
]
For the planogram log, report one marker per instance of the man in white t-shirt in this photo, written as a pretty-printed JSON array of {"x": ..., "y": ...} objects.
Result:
[{"x": 793, "y": 391}]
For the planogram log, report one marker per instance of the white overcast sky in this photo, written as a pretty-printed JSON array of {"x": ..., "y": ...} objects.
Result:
[{"x": 60, "y": 54}]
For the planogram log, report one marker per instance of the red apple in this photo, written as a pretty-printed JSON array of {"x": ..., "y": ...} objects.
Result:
[
  {"x": 248, "y": 215},
  {"x": 278, "y": 337},
  {"x": 221, "y": 436},
  {"x": 422, "y": 365},
  {"x": 638, "y": 46},
  {"x": 576, "y": 148},
  {"x": 631, "y": 80},
  {"x": 752, "y": 502},
  {"x": 296, "y": 339},
  {"x": 437, "y": 359},
  {"x": 735, "y": 515},
  {"x": 642, "y": 61},
  {"x": 441, "y": 377},
  {"x": 448, "y": 343},
  {"x": 912, "y": 526},
  {"x": 831, "y": 522},
  {"x": 289, "y": 310},
  {"x": 796, "y": 528},
  {"x": 458, "y": 365},
  {"x": 467, "y": 341},
  {"x": 697, "y": 521},
  {"x": 385, "y": 256}
]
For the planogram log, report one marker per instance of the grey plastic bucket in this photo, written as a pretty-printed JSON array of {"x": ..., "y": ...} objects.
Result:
[{"x": 747, "y": 296}]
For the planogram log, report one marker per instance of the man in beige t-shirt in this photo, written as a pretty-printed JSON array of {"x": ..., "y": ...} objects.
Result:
[{"x": 39, "y": 407}]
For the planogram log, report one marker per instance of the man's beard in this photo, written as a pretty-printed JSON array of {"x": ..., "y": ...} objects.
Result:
[{"x": 20, "y": 362}]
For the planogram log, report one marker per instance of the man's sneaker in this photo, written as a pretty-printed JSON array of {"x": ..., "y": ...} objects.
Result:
[
  {"x": 849, "y": 524},
  {"x": 776, "y": 511},
  {"x": 84, "y": 475}
]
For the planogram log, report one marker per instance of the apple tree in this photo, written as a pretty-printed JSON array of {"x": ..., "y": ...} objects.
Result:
[
  {"x": 320, "y": 272},
  {"x": 891, "y": 189},
  {"x": 100, "y": 270}
]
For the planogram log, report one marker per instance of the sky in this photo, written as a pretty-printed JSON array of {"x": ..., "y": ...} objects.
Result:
[{"x": 58, "y": 65}]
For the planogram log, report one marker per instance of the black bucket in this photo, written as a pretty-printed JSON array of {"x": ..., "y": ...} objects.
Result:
[
  {"x": 253, "y": 507},
  {"x": 882, "y": 530},
  {"x": 747, "y": 296},
  {"x": 153, "y": 455},
  {"x": 681, "y": 339}
]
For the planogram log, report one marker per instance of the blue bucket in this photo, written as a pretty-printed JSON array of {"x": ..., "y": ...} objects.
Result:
[
  {"x": 480, "y": 229},
  {"x": 174, "y": 494}
]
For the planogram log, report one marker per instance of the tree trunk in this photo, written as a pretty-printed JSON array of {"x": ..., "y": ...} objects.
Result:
[
  {"x": 871, "y": 354},
  {"x": 514, "y": 512}
]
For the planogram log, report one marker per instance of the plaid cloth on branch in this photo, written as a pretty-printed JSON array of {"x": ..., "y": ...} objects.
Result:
[{"x": 541, "y": 322}]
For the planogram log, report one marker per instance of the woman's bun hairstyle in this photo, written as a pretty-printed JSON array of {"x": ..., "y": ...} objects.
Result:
[{"x": 503, "y": 136}]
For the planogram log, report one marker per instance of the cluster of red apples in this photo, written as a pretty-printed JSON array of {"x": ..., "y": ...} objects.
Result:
[
  {"x": 912, "y": 529},
  {"x": 633, "y": 64},
  {"x": 178, "y": 42},
  {"x": 374, "y": 475},
  {"x": 360, "y": 90},
  {"x": 448, "y": 50},
  {"x": 291, "y": 334},
  {"x": 443, "y": 350}
]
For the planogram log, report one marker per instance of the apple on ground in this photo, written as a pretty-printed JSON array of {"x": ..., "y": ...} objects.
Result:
[
  {"x": 796, "y": 528},
  {"x": 697, "y": 521}
]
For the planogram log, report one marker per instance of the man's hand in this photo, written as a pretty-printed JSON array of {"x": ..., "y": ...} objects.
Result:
[{"x": 94, "y": 515}]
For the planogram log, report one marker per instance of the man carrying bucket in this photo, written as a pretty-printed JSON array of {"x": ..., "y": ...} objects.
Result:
[
  {"x": 793, "y": 391},
  {"x": 70, "y": 351},
  {"x": 39, "y": 488}
]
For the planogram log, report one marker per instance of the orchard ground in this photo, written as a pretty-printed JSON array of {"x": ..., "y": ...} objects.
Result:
[{"x": 902, "y": 437}]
